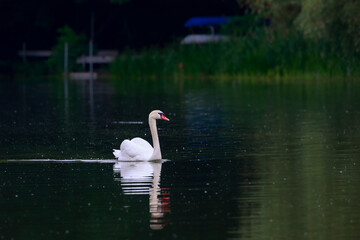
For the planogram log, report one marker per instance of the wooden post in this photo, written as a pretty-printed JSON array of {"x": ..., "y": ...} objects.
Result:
[
  {"x": 24, "y": 52},
  {"x": 83, "y": 62},
  {"x": 91, "y": 44},
  {"x": 91, "y": 58},
  {"x": 92, "y": 21},
  {"x": 66, "y": 56}
]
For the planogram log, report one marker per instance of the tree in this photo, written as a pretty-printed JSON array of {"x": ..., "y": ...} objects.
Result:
[
  {"x": 77, "y": 46},
  {"x": 281, "y": 13},
  {"x": 337, "y": 21}
]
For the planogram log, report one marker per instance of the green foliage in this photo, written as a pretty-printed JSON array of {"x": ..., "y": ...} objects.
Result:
[
  {"x": 77, "y": 47},
  {"x": 241, "y": 25},
  {"x": 304, "y": 38},
  {"x": 255, "y": 54},
  {"x": 281, "y": 13},
  {"x": 336, "y": 21},
  {"x": 30, "y": 70}
]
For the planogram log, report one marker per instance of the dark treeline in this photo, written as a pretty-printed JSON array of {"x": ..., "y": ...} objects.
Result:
[
  {"x": 274, "y": 38},
  {"x": 119, "y": 24},
  {"x": 281, "y": 37},
  {"x": 335, "y": 21}
]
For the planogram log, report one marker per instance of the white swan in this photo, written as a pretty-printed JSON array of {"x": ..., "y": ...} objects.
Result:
[{"x": 140, "y": 149}]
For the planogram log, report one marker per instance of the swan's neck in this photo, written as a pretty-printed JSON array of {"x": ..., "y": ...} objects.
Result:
[{"x": 155, "y": 138}]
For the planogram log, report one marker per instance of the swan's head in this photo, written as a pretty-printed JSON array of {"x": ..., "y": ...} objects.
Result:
[{"x": 157, "y": 114}]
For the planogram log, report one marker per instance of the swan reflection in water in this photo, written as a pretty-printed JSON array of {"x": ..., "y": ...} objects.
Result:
[{"x": 143, "y": 177}]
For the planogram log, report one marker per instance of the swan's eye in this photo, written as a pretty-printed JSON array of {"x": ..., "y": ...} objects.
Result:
[{"x": 162, "y": 116}]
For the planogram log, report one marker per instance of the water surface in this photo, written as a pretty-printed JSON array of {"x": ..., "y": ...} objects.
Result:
[{"x": 244, "y": 160}]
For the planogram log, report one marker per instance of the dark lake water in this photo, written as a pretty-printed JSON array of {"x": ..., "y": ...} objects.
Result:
[{"x": 242, "y": 160}]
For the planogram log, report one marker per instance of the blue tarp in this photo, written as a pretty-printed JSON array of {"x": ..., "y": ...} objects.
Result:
[{"x": 206, "y": 21}]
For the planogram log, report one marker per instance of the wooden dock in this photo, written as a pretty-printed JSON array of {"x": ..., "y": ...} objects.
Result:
[
  {"x": 103, "y": 56},
  {"x": 83, "y": 75},
  {"x": 35, "y": 53}
]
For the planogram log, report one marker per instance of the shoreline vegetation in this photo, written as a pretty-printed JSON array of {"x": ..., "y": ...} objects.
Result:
[
  {"x": 274, "y": 39},
  {"x": 265, "y": 43},
  {"x": 240, "y": 58},
  {"x": 248, "y": 57}
]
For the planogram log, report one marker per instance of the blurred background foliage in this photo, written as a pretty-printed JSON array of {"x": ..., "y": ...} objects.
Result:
[
  {"x": 337, "y": 21},
  {"x": 77, "y": 46},
  {"x": 269, "y": 37},
  {"x": 273, "y": 38}
]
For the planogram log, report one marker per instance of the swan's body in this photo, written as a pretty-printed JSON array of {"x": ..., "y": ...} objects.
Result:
[{"x": 138, "y": 148}]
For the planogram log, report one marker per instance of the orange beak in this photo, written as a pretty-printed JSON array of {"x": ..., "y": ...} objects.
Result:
[{"x": 164, "y": 118}]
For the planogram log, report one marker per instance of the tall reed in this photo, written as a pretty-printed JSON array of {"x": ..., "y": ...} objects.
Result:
[{"x": 259, "y": 54}]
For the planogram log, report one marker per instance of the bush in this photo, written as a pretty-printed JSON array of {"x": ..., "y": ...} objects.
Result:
[{"x": 77, "y": 47}]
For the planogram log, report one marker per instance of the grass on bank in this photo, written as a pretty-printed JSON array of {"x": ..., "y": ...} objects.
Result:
[{"x": 255, "y": 55}]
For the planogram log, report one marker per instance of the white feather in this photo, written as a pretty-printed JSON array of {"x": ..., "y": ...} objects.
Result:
[{"x": 136, "y": 149}]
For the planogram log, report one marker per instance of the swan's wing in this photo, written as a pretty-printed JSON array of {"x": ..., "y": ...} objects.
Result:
[
  {"x": 136, "y": 149},
  {"x": 143, "y": 143}
]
